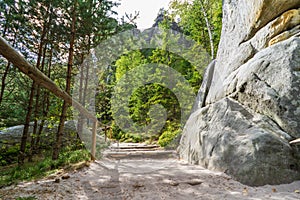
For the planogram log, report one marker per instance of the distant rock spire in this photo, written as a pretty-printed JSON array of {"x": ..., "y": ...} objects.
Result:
[{"x": 161, "y": 16}]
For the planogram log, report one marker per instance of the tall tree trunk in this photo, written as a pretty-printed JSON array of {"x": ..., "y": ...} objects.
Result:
[
  {"x": 45, "y": 102},
  {"x": 26, "y": 126},
  {"x": 31, "y": 101},
  {"x": 83, "y": 78},
  {"x": 80, "y": 120},
  {"x": 3, "y": 83},
  {"x": 42, "y": 50},
  {"x": 46, "y": 105},
  {"x": 84, "y": 87},
  {"x": 209, "y": 29},
  {"x": 59, "y": 134},
  {"x": 35, "y": 124},
  {"x": 36, "y": 111}
]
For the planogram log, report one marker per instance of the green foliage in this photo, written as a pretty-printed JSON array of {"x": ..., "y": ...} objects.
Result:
[
  {"x": 116, "y": 131},
  {"x": 192, "y": 20},
  {"x": 134, "y": 138},
  {"x": 41, "y": 168},
  {"x": 12, "y": 108},
  {"x": 26, "y": 198},
  {"x": 9, "y": 154},
  {"x": 170, "y": 133},
  {"x": 146, "y": 96},
  {"x": 128, "y": 62},
  {"x": 41, "y": 31},
  {"x": 22, "y": 23},
  {"x": 103, "y": 107},
  {"x": 167, "y": 137}
]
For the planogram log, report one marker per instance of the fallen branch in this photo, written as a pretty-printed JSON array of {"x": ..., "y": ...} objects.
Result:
[{"x": 295, "y": 141}]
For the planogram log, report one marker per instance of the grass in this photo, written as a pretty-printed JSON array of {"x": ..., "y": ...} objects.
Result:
[
  {"x": 30, "y": 171},
  {"x": 26, "y": 198}
]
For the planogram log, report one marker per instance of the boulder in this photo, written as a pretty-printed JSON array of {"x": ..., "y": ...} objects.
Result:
[
  {"x": 244, "y": 144},
  {"x": 246, "y": 116},
  {"x": 13, "y": 135}
]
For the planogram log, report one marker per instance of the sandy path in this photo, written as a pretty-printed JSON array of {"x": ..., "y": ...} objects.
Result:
[{"x": 147, "y": 179}]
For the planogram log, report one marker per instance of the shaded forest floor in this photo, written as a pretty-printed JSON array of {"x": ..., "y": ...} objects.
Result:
[{"x": 145, "y": 178}]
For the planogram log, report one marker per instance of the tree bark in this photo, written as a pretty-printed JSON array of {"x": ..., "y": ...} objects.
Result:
[
  {"x": 46, "y": 103},
  {"x": 3, "y": 83},
  {"x": 80, "y": 120},
  {"x": 209, "y": 30},
  {"x": 59, "y": 134},
  {"x": 26, "y": 126},
  {"x": 36, "y": 111},
  {"x": 31, "y": 100}
]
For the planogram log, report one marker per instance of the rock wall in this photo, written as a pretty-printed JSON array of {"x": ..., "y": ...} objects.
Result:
[{"x": 246, "y": 115}]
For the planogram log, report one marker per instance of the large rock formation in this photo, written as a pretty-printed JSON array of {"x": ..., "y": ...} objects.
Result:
[
  {"x": 246, "y": 115},
  {"x": 12, "y": 136}
]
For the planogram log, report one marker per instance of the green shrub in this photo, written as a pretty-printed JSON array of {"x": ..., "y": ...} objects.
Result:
[
  {"x": 116, "y": 131},
  {"x": 129, "y": 137},
  {"x": 42, "y": 168},
  {"x": 167, "y": 137},
  {"x": 9, "y": 155}
]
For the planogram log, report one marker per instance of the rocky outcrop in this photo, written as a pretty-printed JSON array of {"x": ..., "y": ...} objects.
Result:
[
  {"x": 204, "y": 89},
  {"x": 12, "y": 135},
  {"x": 252, "y": 108}
]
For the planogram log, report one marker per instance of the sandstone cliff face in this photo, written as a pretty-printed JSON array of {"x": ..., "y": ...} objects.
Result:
[{"x": 248, "y": 109}]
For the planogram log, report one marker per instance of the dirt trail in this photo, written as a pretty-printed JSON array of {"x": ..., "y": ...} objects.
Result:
[{"x": 137, "y": 178}]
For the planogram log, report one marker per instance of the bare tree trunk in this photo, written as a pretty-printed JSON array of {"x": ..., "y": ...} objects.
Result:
[
  {"x": 35, "y": 124},
  {"x": 3, "y": 83},
  {"x": 80, "y": 117},
  {"x": 59, "y": 134},
  {"x": 36, "y": 111},
  {"x": 41, "y": 126},
  {"x": 31, "y": 101},
  {"x": 83, "y": 89},
  {"x": 46, "y": 103},
  {"x": 26, "y": 126},
  {"x": 209, "y": 30}
]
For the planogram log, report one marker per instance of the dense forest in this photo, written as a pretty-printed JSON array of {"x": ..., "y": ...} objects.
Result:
[{"x": 56, "y": 37}]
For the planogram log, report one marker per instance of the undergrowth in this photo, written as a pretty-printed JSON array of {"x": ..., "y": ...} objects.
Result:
[{"x": 12, "y": 174}]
